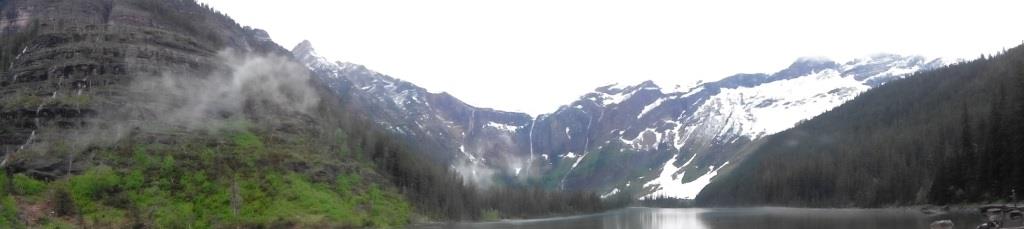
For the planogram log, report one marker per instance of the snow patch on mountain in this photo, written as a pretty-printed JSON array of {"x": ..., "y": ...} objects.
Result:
[
  {"x": 777, "y": 106},
  {"x": 462, "y": 149},
  {"x": 503, "y": 127},
  {"x": 670, "y": 185},
  {"x": 651, "y": 106},
  {"x": 667, "y": 183},
  {"x": 604, "y": 99},
  {"x": 610, "y": 193}
]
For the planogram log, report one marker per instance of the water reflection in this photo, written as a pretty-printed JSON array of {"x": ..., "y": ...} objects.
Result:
[
  {"x": 767, "y": 218},
  {"x": 655, "y": 218}
]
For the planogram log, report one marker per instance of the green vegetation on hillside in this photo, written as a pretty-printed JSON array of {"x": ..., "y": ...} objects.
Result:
[{"x": 196, "y": 186}]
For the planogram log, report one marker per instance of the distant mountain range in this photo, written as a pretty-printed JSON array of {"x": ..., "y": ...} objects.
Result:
[{"x": 642, "y": 139}]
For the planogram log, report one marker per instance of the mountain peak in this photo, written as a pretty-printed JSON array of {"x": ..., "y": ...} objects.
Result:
[
  {"x": 887, "y": 56},
  {"x": 648, "y": 84},
  {"x": 813, "y": 62},
  {"x": 806, "y": 65},
  {"x": 304, "y": 48},
  {"x": 812, "y": 59},
  {"x": 617, "y": 88}
]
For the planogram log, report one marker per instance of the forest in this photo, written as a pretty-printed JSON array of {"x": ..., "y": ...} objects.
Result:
[{"x": 949, "y": 136}]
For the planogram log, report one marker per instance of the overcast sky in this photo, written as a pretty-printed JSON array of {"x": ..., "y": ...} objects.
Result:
[{"x": 533, "y": 56}]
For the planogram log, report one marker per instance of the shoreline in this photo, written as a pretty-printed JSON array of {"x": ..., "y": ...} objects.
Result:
[{"x": 505, "y": 220}]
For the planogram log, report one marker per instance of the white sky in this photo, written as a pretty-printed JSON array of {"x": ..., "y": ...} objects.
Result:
[{"x": 535, "y": 55}]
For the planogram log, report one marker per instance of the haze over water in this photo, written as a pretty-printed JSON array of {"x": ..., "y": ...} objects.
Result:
[{"x": 734, "y": 218}]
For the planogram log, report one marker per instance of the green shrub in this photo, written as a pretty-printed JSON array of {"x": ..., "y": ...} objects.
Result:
[
  {"x": 141, "y": 158},
  {"x": 490, "y": 215},
  {"x": 134, "y": 180},
  {"x": 177, "y": 215},
  {"x": 8, "y": 212},
  {"x": 346, "y": 182},
  {"x": 105, "y": 217},
  {"x": 167, "y": 164},
  {"x": 387, "y": 209},
  {"x": 247, "y": 141},
  {"x": 91, "y": 186},
  {"x": 248, "y": 148},
  {"x": 290, "y": 197},
  {"x": 24, "y": 185},
  {"x": 293, "y": 198}
]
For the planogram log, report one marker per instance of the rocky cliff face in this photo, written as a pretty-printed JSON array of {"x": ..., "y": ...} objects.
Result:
[
  {"x": 479, "y": 142},
  {"x": 91, "y": 74},
  {"x": 639, "y": 139}
]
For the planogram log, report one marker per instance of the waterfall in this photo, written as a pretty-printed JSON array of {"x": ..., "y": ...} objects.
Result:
[
  {"x": 39, "y": 109},
  {"x": 8, "y": 156},
  {"x": 529, "y": 163},
  {"x": 586, "y": 149}
]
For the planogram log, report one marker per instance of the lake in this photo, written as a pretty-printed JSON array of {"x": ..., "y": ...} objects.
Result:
[{"x": 721, "y": 218}]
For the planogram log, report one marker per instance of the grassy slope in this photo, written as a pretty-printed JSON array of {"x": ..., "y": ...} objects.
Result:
[{"x": 200, "y": 184}]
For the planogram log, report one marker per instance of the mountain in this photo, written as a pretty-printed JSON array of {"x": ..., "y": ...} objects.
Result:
[
  {"x": 950, "y": 135},
  {"x": 168, "y": 114},
  {"x": 638, "y": 139}
]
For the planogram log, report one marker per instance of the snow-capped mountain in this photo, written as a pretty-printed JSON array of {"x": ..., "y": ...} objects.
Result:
[{"x": 638, "y": 139}]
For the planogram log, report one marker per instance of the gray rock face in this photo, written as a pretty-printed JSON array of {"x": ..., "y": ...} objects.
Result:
[
  {"x": 637, "y": 139},
  {"x": 89, "y": 73}
]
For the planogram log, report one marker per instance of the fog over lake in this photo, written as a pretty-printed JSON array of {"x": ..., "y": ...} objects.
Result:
[{"x": 730, "y": 218}]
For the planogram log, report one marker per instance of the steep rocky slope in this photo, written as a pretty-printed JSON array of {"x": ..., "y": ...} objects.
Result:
[
  {"x": 475, "y": 140},
  {"x": 84, "y": 78}
]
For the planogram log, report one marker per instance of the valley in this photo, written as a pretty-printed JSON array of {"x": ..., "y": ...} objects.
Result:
[{"x": 170, "y": 114}]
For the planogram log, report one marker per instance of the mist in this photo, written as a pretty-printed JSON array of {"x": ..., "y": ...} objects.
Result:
[
  {"x": 249, "y": 86},
  {"x": 242, "y": 87}
]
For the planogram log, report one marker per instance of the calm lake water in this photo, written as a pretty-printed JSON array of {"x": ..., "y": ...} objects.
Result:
[{"x": 764, "y": 218}]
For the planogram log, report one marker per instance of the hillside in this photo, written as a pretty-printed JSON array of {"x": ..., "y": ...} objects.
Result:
[{"x": 950, "y": 135}]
